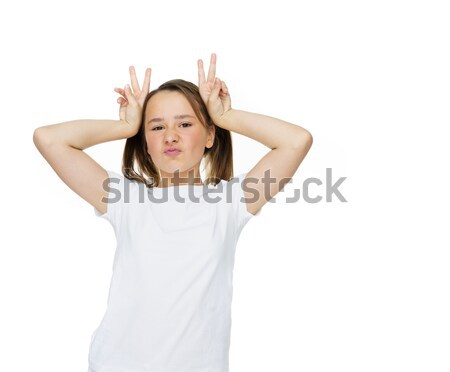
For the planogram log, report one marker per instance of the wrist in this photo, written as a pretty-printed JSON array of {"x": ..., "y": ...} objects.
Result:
[
  {"x": 127, "y": 130},
  {"x": 226, "y": 119}
]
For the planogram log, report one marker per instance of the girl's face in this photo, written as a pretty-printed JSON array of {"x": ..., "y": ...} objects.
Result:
[{"x": 170, "y": 121}]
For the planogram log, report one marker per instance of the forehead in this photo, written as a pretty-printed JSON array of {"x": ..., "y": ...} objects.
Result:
[{"x": 168, "y": 103}]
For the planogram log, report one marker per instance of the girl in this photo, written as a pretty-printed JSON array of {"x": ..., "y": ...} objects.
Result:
[{"x": 169, "y": 304}]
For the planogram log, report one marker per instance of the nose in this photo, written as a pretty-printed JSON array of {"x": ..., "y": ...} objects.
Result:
[{"x": 170, "y": 136}]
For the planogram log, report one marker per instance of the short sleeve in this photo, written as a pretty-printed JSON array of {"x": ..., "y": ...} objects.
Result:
[
  {"x": 119, "y": 195},
  {"x": 240, "y": 205}
]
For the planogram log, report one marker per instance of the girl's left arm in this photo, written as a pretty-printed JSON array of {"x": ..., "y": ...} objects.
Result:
[{"x": 289, "y": 144}]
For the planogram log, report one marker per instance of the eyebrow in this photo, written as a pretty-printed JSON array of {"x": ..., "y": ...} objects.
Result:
[{"x": 157, "y": 120}]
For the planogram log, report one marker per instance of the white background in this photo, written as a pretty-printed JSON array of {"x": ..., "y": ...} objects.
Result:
[{"x": 361, "y": 285}]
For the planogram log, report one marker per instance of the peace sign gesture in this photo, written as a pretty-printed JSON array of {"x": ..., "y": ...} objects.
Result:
[
  {"x": 132, "y": 100},
  {"x": 213, "y": 91}
]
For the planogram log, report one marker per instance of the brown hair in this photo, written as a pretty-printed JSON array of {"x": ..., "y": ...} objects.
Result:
[{"x": 218, "y": 158}]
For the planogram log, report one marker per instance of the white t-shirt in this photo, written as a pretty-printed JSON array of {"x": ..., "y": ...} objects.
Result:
[{"x": 169, "y": 303}]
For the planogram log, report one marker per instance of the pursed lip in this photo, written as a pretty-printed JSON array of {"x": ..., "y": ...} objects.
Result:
[{"x": 172, "y": 149}]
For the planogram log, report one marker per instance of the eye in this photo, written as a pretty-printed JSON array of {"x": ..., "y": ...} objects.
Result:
[{"x": 159, "y": 126}]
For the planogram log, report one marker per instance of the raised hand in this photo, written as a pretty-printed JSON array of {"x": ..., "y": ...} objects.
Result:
[
  {"x": 213, "y": 91},
  {"x": 132, "y": 100}
]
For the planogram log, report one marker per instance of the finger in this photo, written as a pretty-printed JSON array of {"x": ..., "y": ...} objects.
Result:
[
  {"x": 120, "y": 91},
  {"x": 134, "y": 80},
  {"x": 201, "y": 72},
  {"x": 225, "y": 97},
  {"x": 215, "y": 91},
  {"x": 129, "y": 95},
  {"x": 224, "y": 88},
  {"x": 146, "y": 86},
  {"x": 212, "y": 68}
]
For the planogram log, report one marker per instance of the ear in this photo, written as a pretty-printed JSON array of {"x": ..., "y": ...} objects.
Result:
[{"x": 211, "y": 136}]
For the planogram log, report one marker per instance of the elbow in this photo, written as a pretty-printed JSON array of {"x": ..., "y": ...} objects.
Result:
[
  {"x": 308, "y": 139},
  {"x": 304, "y": 141},
  {"x": 40, "y": 137},
  {"x": 37, "y": 136}
]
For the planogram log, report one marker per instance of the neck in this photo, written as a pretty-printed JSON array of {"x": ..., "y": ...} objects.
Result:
[{"x": 177, "y": 179}]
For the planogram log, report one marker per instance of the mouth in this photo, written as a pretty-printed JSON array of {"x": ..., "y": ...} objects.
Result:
[{"x": 172, "y": 152}]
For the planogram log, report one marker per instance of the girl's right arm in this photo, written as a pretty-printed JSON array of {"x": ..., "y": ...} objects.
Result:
[{"x": 62, "y": 144}]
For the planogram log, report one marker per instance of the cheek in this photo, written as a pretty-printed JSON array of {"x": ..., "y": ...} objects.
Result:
[
  {"x": 151, "y": 144},
  {"x": 196, "y": 140}
]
